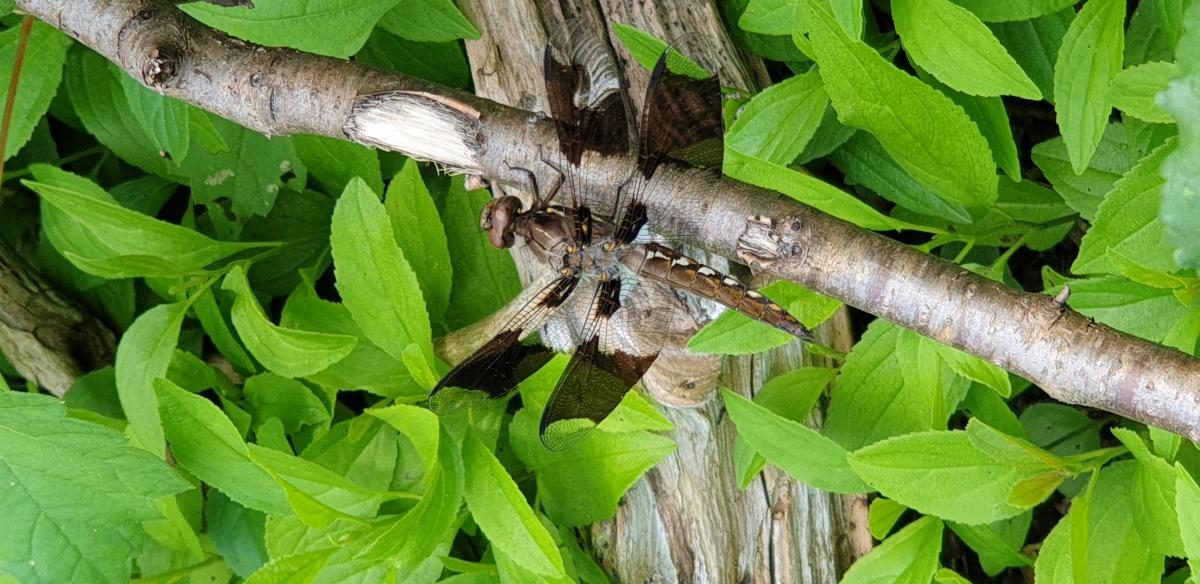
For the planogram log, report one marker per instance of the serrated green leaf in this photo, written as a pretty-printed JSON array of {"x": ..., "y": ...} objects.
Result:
[
  {"x": 1113, "y": 551},
  {"x": 865, "y": 162},
  {"x": 418, "y": 230},
  {"x": 1127, "y": 222},
  {"x": 883, "y": 515},
  {"x": 790, "y": 395},
  {"x": 1084, "y": 191},
  {"x": 908, "y": 557},
  {"x": 1013, "y": 9},
  {"x": 1090, "y": 56},
  {"x": 990, "y": 115},
  {"x": 118, "y": 237},
  {"x": 40, "y": 74},
  {"x": 335, "y": 162},
  {"x": 1153, "y": 497},
  {"x": 286, "y": 351},
  {"x": 810, "y": 191},
  {"x": 374, "y": 277},
  {"x": 337, "y": 28},
  {"x": 367, "y": 367},
  {"x": 891, "y": 383},
  {"x": 316, "y": 494},
  {"x": 206, "y": 444},
  {"x": 1187, "y": 505},
  {"x": 1133, "y": 90},
  {"x": 797, "y": 449},
  {"x": 1180, "y": 213},
  {"x": 976, "y": 369},
  {"x": 584, "y": 484},
  {"x": 772, "y": 17},
  {"x": 300, "y": 568},
  {"x": 164, "y": 119},
  {"x": 1135, "y": 308},
  {"x": 958, "y": 49},
  {"x": 143, "y": 355},
  {"x": 1034, "y": 43},
  {"x": 943, "y": 474},
  {"x": 428, "y": 21},
  {"x": 484, "y": 278},
  {"x": 734, "y": 333},
  {"x": 96, "y": 92},
  {"x": 500, "y": 509},
  {"x": 925, "y": 133},
  {"x": 273, "y": 396},
  {"x": 777, "y": 123},
  {"x": 85, "y": 481},
  {"x": 246, "y": 178}
]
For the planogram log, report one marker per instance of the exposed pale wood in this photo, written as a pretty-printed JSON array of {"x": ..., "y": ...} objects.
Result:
[{"x": 686, "y": 520}]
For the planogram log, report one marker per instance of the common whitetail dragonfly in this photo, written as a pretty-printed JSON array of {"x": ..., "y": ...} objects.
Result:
[{"x": 602, "y": 273}]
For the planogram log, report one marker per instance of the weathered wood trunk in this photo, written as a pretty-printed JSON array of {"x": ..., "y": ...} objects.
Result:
[{"x": 686, "y": 520}]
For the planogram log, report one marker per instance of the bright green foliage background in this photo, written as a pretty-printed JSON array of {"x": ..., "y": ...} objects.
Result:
[{"x": 278, "y": 300}]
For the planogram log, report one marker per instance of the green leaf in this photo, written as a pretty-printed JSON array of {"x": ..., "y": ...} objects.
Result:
[
  {"x": 443, "y": 63},
  {"x": 428, "y": 21},
  {"x": 959, "y": 50},
  {"x": 500, "y": 509},
  {"x": 790, "y": 395},
  {"x": 286, "y": 351},
  {"x": 865, "y": 162},
  {"x": 944, "y": 474},
  {"x": 908, "y": 557},
  {"x": 1013, "y": 9},
  {"x": 645, "y": 48},
  {"x": 998, "y": 544},
  {"x": 893, "y": 382},
  {"x": 418, "y": 230},
  {"x": 797, "y": 449},
  {"x": 1034, "y": 43},
  {"x": 415, "y": 536},
  {"x": 1084, "y": 191},
  {"x": 335, "y": 162},
  {"x": 375, "y": 280},
  {"x": 1127, "y": 222},
  {"x": 484, "y": 277},
  {"x": 810, "y": 191},
  {"x": 1137, "y": 309},
  {"x": 244, "y": 179},
  {"x": 773, "y": 17},
  {"x": 1187, "y": 505},
  {"x": 1090, "y": 56},
  {"x": 120, "y": 237},
  {"x": 1153, "y": 497},
  {"x": 1112, "y": 550},
  {"x": 1133, "y": 90},
  {"x": 300, "y": 568},
  {"x": 777, "y": 123},
  {"x": 271, "y": 396},
  {"x": 164, "y": 119},
  {"x": 72, "y": 486},
  {"x": 976, "y": 369},
  {"x": 299, "y": 220},
  {"x": 883, "y": 515},
  {"x": 367, "y": 367},
  {"x": 584, "y": 484},
  {"x": 337, "y": 28},
  {"x": 990, "y": 115},
  {"x": 734, "y": 333},
  {"x": 143, "y": 355},
  {"x": 98, "y": 96},
  {"x": 1180, "y": 213},
  {"x": 317, "y": 494},
  {"x": 206, "y": 444},
  {"x": 925, "y": 133},
  {"x": 237, "y": 533},
  {"x": 40, "y": 75}
]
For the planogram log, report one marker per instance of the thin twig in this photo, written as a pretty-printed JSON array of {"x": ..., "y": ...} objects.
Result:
[{"x": 11, "y": 98}]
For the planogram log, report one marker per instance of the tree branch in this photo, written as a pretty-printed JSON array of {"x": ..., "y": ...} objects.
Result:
[{"x": 278, "y": 91}]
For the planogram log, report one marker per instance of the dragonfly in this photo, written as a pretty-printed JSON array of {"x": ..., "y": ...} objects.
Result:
[{"x": 596, "y": 298}]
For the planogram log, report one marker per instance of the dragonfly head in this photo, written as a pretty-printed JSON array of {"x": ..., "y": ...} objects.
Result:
[{"x": 497, "y": 217}]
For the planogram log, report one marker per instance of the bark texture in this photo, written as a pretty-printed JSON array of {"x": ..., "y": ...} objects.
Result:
[
  {"x": 50, "y": 340},
  {"x": 277, "y": 91}
]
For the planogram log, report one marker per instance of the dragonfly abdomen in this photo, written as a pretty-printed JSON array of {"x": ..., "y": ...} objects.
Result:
[{"x": 667, "y": 265}]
